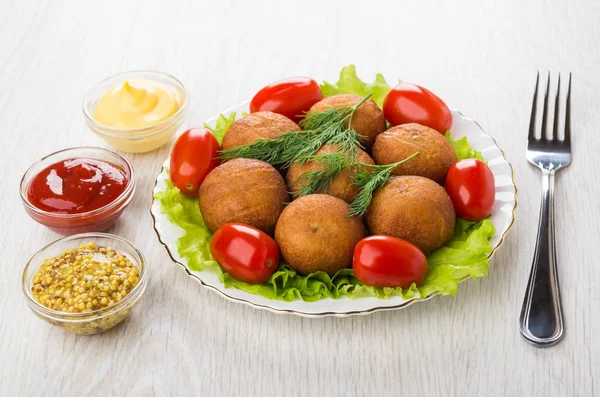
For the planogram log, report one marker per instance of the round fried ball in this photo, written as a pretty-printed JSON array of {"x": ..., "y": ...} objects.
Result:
[
  {"x": 255, "y": 126},
  {"x": 342, "y": 186},
  {"x": 368, "y": 120},
  {"x": 436, "y": 154},
  {"x": 412, "y": 208},
  {"x": 243, "y": 190},
  {"x": 314, "y": 233}
]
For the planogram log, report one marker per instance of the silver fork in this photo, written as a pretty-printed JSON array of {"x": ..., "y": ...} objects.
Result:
[{"x": 541, "y": 321}]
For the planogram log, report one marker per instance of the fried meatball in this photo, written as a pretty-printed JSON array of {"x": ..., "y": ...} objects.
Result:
[
  {"x": 255, "y": 126},
  {"x": 436, "y": 154},
  {"x": 243, "y": 190},
  {"x": 412, "y": 208},
  {"x": 314, "y": 233},
  {"x": 342, "y": 186},
  {"x": 368, "y": 120}
]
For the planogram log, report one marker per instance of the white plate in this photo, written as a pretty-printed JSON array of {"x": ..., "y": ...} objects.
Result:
[{"x": 502, "y": 218}]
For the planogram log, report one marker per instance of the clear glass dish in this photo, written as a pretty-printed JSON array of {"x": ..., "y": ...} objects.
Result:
[
  {"x": 92, "y": 221},
  {"x": 98, "y": 320},
  {"x": 137, "y": 140}
]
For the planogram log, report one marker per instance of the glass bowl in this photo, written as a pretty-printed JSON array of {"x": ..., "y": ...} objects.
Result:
[
  {"x": 137, "y": 140},
  {"x": 98, "y": 320},
  {"x": 97, "y": 220}
]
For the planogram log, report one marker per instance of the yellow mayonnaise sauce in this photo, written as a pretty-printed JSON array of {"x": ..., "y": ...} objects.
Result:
[{"x": 137, "y": 103}]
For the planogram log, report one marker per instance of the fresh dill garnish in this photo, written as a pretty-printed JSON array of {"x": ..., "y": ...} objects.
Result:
[
  {"x": 332, "y": 164},
  {"x": 369, "y": 179},
  {"x": 319, "y": 128},
  {"x": 315, "y": 120},
  {"x": 347, "y": 141}
]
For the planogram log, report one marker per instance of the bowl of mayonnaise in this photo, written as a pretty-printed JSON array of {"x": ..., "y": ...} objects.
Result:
[{"x": 137, "y": 111}]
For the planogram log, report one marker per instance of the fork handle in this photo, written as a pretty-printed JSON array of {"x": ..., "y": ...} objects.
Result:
[{"x": 541, "y": 321}]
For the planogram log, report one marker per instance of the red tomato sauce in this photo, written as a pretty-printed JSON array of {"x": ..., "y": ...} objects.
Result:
[{"x": 75, "y": 186}]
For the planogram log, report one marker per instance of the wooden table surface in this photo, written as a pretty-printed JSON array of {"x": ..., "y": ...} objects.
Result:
[{"x": 186, "y": 340}]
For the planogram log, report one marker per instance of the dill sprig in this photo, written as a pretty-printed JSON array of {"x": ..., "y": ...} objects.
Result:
[
  {"x": 332, "y": 163},
  {"x": 369, "y": 179},
  {"x": 314, "y": 120},
  {"x": 301, "y": 151},
  {"x": 319, "y": 128},
  {"x": 292, "y": 145},
  {"x": 347, "y": 141},
  {"x": 268, "y": 150}
]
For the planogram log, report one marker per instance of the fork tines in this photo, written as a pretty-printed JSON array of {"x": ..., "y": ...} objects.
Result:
[{"x": 553, "y": 136}]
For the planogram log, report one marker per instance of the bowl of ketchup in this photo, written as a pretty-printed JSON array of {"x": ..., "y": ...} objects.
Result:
[{"x": 78, "y": 190}]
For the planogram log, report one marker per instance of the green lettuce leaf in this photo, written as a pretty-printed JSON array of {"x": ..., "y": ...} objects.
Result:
[
  {"x": 349, "y": 83},
  {"x": 463, "y": 149},
  {"x": 463, "y": 256},
  {"x": 222, "y": 125},
  {"x": 184, "y": 212}
]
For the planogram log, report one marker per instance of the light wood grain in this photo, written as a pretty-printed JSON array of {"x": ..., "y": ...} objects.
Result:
[{"x": 185, "y": 340}]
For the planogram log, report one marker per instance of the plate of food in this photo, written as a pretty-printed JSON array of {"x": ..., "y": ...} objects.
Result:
[{"x": 335, "y": 199}]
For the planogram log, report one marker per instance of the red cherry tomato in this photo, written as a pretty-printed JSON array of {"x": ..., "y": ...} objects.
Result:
[
  {"x": 246, "y": 253},
  {"x": 194, "y": 154},
  {"x": 470, "y": 185},
  {"x": 289, "y": 97},
  {"x": 384, "y": 261},
  {"x": 410, "y": 103}
]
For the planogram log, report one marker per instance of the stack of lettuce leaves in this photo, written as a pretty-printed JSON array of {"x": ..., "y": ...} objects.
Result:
[{"x": 463, "y": 256}]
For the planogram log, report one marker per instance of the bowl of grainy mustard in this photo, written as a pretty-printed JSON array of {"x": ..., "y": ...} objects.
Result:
[{"x": 85, "y": 283}]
